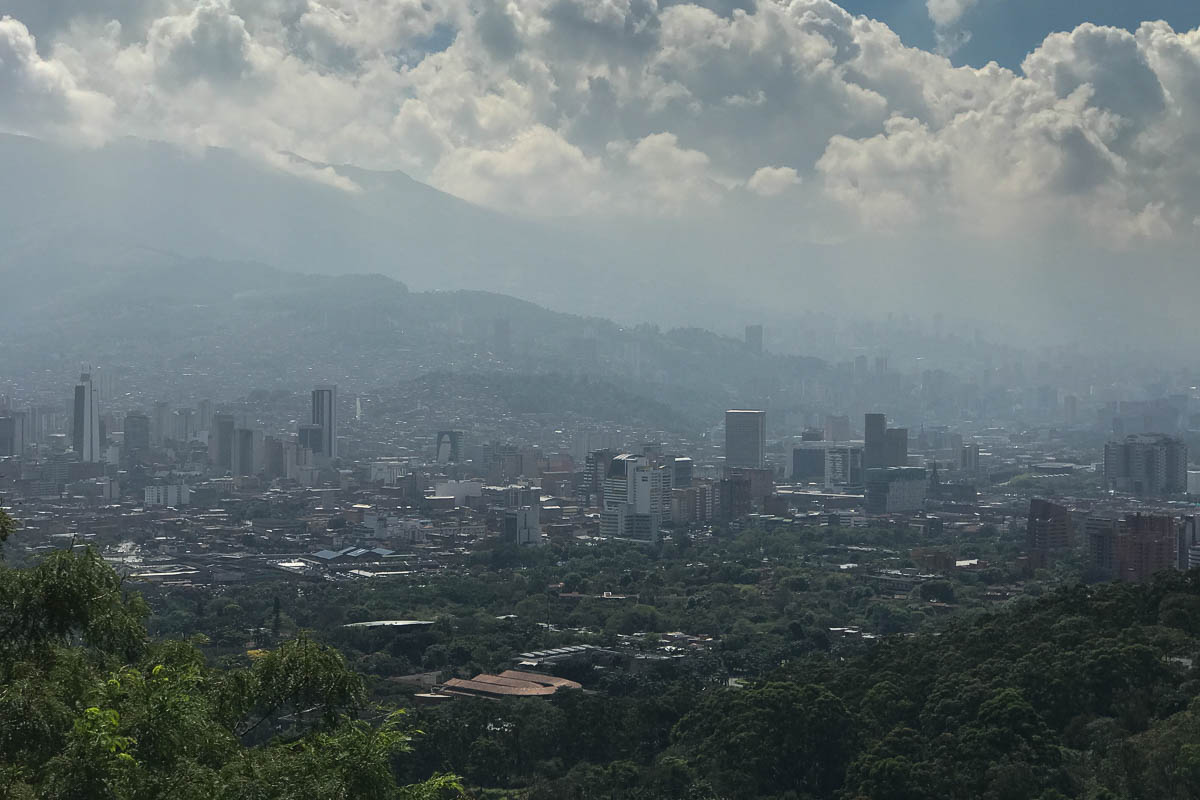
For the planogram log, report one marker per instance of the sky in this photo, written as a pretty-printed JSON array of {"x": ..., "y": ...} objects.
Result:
[{"x": 1062, "y": 133}]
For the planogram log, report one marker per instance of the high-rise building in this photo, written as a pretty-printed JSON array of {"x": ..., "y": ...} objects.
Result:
[
  {"x": 874, "y": 444},
  {"x": 968, "y": 458},
  {"x": 273, "y": 458},
  {"x": 808, "y": 462},
  {"x": 448, "y": 447},
  {"x": 896, "y": 447},
  {"x": 86, "y": 429},
  {"x": 324, "y": 413},
  {"x": 220, "y": 442},
  {"x": 745, "y": 439},
  {"x": 243, "y": 461},
  {"x": 10, "y": 434},
  {"x": 161, "y": 423},
  {"x": 1146, "y": 465},
  {"x": 1134, "y": 548},
  {"x": 754, "y": 339},
  {"x": 137, "y": 434},
  {"x": 883, "y": 446},
  {"x": 595, "y": 471},
  {"x": 1049, "y": 529},
  {"x": 843, "y": 466},
  {"x": 895, "y": 490},
  {"x": 310, "y": 437},
  {"x": 636, "y": 499},
  {"x": 521, "y": 525},
  {"x": 204, "y": 413},
  {"x": 681, "y": 475}
]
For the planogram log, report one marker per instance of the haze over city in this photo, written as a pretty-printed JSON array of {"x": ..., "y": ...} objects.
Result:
[
  {"x": 1016, "y": 166},
  {"x": 599, "y": 400}
]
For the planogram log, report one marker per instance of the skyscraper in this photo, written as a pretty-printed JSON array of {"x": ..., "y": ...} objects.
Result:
[
  {"x": 220, "y": 441},
  {"x": 137, "y": 434},
  {"x": 9, "y": 431},
  {"x": 85, "y": 431},
  {"x": 243, "y": 456},
  {"x": 883, "y": 446},
  {"x": 324, "y": 413},
  {"x": 160, "y": 423},
  {"x": 745, "y": 439},
  {"x": 874, "y": 441}
]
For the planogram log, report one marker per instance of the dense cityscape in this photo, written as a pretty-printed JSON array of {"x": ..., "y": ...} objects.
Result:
[{"x": 599, "y": 400}]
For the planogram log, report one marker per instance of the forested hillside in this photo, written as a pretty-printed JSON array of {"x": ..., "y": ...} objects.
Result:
[
  {"x": 1083, "y": 692},
  {"x": 92, "y": 709}
]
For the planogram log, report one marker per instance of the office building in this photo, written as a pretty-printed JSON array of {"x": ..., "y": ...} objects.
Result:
[
  {"x": 161, "y": 427},
  {"x": 895, "y": 490},
  {"x": 636, "y": 499},
  {"x": 1049, "y": 529},
  {"x": 85, "y": 431},
  {"x": 843, "y": 466},
  {"x": 754, "y": 339},
  {"x": 274, "y": 458},
  {"x": 681, "y": 476},
  {"x": 204, "y": 415},
  {"x": 521, "y": 525},
  {"x": 311, "y": 438},
  {"x": 745, "y": 439},
  {"x": 137, "y": 434},
  {"x": 220, "y": 442},
  {"x": 244, "y": 456},
  {"x": 968, "y": 458},
  {"x": 883, "y": 446},
  {"x": 1146, "y": 465},
  {"x": 12, "y": 434},
  {"x": 324, "y": 414},
  {"x": 448, "y": 447},
  {"x": 808, "y": 462},
  {"x": 762, "y": 482}
]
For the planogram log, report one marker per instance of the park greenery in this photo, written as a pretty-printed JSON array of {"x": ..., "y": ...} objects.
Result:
[{"x": 980, "y": 684}]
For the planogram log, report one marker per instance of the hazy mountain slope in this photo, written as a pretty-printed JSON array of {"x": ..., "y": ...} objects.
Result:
[
  {"x": 220, "y": 329},
  {"x": 105, "y": 206}
]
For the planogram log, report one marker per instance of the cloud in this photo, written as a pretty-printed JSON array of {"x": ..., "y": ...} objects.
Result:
[
  {"x": 946, "y": 16},
  {"x": 947, "y": 13},
  {"x": 42, "y": 96},
  {"x": 632, "y": 108},
  {"x": 772, "y": 181}
]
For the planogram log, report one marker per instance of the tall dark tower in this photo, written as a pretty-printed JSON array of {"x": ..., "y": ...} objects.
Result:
[
  {"x": 874, "y": 441},
  {"x": 324, "y": 413}
]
